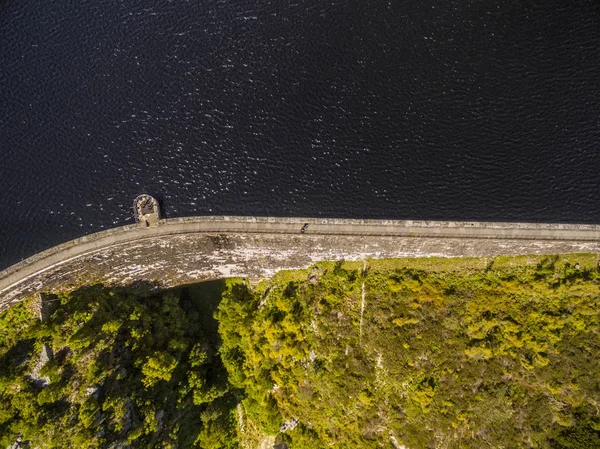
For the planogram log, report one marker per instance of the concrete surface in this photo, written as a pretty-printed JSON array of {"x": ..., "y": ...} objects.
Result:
[{"x": 184, "y": 250}]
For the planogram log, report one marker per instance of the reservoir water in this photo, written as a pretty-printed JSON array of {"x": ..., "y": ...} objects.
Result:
[{"x": 435, "y": 109}]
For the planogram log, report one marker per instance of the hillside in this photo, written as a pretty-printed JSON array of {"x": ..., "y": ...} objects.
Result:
[
  {"x": 420, "y": 353},
  {"x": 429, "y": 353}
]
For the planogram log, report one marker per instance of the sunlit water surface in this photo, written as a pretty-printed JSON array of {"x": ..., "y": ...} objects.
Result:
[{"x": 415, "y": 109}]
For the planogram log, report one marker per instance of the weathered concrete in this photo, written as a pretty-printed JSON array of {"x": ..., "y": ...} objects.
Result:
[{"x": 184, "y": 250}]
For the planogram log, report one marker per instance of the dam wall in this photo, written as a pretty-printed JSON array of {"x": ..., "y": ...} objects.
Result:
[{"x": 185, "y": 250}]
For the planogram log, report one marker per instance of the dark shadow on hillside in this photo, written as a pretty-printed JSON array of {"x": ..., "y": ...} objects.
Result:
[
  {"x": 204, "y": 298},
  {"x": 199, "y": 302},
  {"x": 14, "y": 360},
  {"x": 120, "y": 342}
]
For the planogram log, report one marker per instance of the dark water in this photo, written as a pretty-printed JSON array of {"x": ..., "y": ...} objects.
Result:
[{"x": 484, "y": 110}]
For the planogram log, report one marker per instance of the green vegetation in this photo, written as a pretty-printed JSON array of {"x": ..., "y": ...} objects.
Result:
[
  {"x": 424, "y": 353},
  {"x": 459, "y": 353},
  {"x": 130, "y": 368}
]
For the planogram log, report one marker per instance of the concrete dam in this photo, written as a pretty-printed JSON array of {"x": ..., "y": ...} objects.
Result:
[{"x": 178, "y": 251}]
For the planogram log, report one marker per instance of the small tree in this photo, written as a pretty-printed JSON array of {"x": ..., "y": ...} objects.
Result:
[{"x": 158, "y": 367}]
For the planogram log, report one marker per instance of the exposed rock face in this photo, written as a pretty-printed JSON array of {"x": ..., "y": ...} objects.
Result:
[
  {"x": 181, "y": 251},
  {"x": 45, "y": 356}
]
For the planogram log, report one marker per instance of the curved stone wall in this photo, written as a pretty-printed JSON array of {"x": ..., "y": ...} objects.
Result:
[{"x": 184, "y": 250}]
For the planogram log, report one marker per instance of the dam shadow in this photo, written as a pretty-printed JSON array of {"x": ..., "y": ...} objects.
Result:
[
  {"x": 127, "y": 331},
  {"x": 202, "y": 299}
]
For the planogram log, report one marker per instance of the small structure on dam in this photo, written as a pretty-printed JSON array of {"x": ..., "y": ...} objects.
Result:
[{"x": 146, "y": 210}]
